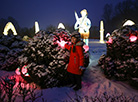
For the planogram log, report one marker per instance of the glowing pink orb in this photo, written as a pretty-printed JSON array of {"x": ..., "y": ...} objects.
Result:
[
  {"x": 110, "y": 41},
  {"x": 86, "y": 47},
  {"x": 17, "y": 71},
  {"x": 132, "y": 38},
  {"x": 24, "y": 69},
  {"x": 62, "y": 43}
]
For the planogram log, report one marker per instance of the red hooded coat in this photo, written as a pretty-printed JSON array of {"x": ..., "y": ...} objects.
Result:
[{"x": 76, "y": 58}]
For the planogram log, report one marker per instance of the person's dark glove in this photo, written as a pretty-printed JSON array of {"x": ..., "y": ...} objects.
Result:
[{"x": 82, "y": 68}]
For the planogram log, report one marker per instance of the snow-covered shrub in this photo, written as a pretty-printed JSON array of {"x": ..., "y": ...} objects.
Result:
[
  {"x": 10, "y": 48},
  {"x": 121, "y": 59},
  {"x": 46, "y": 61}
]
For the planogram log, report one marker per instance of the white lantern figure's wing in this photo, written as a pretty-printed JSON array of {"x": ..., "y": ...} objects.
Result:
[{"x": 77, "y": 24}]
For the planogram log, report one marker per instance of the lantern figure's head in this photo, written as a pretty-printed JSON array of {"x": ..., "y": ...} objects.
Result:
[{"x": 84, "y": 12}]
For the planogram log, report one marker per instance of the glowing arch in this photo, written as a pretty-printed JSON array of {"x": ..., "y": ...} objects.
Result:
[
  {"x": 60, "y": 25},
  {"x": 128, "y": 22},
  {"x": 9, "y": 26}
]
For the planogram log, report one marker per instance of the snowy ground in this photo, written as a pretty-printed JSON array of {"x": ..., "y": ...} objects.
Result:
[{"x": 93, "y": 81}]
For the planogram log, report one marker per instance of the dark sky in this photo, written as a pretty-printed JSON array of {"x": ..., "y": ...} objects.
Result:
[{"x": 52, "y": 12}]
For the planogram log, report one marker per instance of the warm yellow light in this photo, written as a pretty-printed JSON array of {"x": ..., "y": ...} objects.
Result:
[
  {"x": 60, "y": 25},
  {"x": 128, "y": 22},
  {"x": 101, "y": 32},
  {"x": 36, "y": 27},
  {"x": 9, "y": 26},
  {"x": 83, "y": 24}
]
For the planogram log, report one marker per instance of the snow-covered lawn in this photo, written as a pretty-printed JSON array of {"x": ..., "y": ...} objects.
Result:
[{"x": 93, "y": 81}]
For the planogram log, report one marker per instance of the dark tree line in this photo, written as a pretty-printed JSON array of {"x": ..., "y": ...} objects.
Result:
[
  {"x": 114, "y": 17},
  {"x": 30, "y": 32}
]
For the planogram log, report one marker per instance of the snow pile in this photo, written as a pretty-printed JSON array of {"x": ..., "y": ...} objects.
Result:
[
  {"x": 121, "y": 59},
  {"x": 10, "y": 48},
  {"x": 46, "y": 61}
]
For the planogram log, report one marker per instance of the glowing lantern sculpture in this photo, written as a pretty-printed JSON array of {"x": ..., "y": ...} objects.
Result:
[
  {"x": 24, "y": 71},
  {"x": 83, "y": 24},
  {"x": 17, "y": 71},
  {"x": 109, "y": 41},
  {"x": 101, "y": 32},
  {"x": 60, "y": 25},
  {"x": 36, "y": 27},
  {"x": 9, "y": 26},
  {"x": 128, "y": 22},
  {"x": 132, "y": 38}
]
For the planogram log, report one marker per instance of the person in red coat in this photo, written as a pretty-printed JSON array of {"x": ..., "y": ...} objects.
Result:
[{"x": 76, "y": 60}]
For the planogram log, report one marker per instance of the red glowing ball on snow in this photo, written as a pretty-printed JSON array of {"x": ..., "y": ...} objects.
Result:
[
  {"x": 17, "y": 71},
  {"x": 132, "y": 38},
  {"x": 109, "y": 41},
  {"x": 24, "y": 69}
]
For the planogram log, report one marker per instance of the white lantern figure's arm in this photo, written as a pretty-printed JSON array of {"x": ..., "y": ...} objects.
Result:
[{"x": 88, "y": 23}]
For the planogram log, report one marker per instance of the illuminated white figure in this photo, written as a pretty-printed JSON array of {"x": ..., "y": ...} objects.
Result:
[
  {"x": 83, "y": 24},
  {"x": 60, "y": 25},
  {"x": 9, "y": 26},
  {"x": 128, "y": 22},
  {"x": 101, "y": 32},
  {"x": 36, "y": 27}
]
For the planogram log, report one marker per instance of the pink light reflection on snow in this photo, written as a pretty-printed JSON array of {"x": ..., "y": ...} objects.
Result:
[{"x": 22, "y": 82}]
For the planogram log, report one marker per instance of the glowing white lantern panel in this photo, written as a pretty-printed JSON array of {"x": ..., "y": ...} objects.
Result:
[
  {"x": 9, "y": 26},
  {"x": 60, "y": 25},
  {"x": 101, "y": 32},
  {"x": 128, "y": 22},
  {"x": 36, "y": 27}
]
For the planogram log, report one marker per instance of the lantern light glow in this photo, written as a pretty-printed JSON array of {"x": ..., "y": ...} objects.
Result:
[
  {"x": 9, "y": 26},
  {"x": 17, "y": 71},
  {"x": 86, "y": 47},
  {"x": 132, "y": 38},
  {"x": 110, "y": 41},
  {"x": 24, "y": 69}
]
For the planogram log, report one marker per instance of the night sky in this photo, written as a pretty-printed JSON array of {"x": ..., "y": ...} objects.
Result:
[{"x": 52, "y": 12}]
